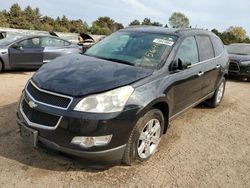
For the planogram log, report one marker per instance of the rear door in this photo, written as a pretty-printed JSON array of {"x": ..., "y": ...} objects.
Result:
[
  {"x": 209, "y": 64},
  {"x": 220, "y": 58},
  {"x": 187, "y": 88},
  {"x": 54, "y": 47},
  {"x": 27, "y": 53}
]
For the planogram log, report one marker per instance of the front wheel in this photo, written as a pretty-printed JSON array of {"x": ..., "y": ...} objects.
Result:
[
  {"x": 218, "y": 95},
  {"x": 145, "y": 137}
]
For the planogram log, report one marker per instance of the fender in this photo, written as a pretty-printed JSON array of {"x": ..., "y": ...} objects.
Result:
[{"x": 4, "y": 58}]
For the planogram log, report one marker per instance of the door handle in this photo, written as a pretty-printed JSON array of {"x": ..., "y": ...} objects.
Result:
[
  {"x": 200, "y": 74},
  {"x": 217, "y": 66}
]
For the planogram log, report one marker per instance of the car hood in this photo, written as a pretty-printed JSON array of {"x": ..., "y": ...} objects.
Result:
[
  {"x": 239, "y": 58},
  {"x": 79, "y": 75},
  {"x": 3, "y": 48}
]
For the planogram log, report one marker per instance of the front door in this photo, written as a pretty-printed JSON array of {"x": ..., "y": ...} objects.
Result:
[
  {"x": 187, "y": 88},
  {"x": 54, "y": 47},
  {"x": 27, "y": 53}
]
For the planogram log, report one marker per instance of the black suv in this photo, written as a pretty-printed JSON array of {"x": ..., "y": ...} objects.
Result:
[
  {"x": 239, "y": 55},
  {"x": 114, "y": 102}
]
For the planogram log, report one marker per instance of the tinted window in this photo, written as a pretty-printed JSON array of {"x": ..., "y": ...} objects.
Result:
[
  {"x": 53, "y": 42},
  {"x": 31, "y": 43},
  {"x": 205, "y": 47},
  {"x": 187, "y": 51},
  {"x": 218, "y": 45}
]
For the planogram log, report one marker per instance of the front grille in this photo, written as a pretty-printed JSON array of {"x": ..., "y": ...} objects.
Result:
[
  {"x": 234, "y": 67},
  {"x": 37, "y": 117},
  {"x": 46, "y": 97}
]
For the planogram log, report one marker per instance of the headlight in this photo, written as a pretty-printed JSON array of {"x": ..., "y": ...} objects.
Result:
[
  {"x": 247, "y": 63},
  {"x": 108, "y": 102}
]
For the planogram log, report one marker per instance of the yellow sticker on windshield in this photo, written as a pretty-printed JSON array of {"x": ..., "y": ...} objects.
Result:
[{"x": 164, "y": 42}]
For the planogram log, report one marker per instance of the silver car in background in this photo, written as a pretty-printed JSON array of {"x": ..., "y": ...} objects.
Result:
[{"x": 31, "y": 52}]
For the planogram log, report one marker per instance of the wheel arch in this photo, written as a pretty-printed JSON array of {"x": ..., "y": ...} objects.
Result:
[
  {"x": 226, "y": 76},
  {"x": 2, "y": 62},
  {"x": 163, "y": 106}
]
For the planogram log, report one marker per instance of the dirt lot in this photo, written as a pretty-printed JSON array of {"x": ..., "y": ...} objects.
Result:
[{"x": 203, "y": 148}]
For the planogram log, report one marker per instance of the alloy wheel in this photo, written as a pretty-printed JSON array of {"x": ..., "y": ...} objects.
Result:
[
  {"x": 149, "y": 138},
  {"x": 220, "y": 93}
]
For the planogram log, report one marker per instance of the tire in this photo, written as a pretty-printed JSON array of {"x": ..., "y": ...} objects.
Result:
[
  {"x": 218, "y": 95},
  {"x": 145, "y": 138},
  {"x": 1, "y": 66}
]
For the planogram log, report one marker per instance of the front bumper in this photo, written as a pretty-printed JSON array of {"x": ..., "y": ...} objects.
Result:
[
  {"x": 243, "y": 71},
  {"x": 106, "y": 156},
  {"x": 83, "y": 124}
]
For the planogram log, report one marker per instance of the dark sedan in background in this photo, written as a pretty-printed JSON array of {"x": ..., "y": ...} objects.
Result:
[
  {"x": 239, "y": 60},
  {"x": 31, "y": 52}
]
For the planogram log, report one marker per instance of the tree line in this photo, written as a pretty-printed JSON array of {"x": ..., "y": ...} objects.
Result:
[
  {"x": 233, "y": 35},
  {"x": 32, "y": 19}
]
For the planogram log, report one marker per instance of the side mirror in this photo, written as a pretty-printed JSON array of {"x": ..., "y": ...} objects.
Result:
[
  {"x": 180, "y": 65},
  {"x": 17, "y": 47},
  {"x": 183, "y": 64}
]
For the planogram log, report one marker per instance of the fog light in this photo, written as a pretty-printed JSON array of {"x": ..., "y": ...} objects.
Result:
[{"x": 88, "y": 142}]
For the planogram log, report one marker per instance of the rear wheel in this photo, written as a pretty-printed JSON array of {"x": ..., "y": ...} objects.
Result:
[
  {"x": 1, "y": 66},
  {"x": 218, "y": 95},
  {"x": 145, "y": 138}
]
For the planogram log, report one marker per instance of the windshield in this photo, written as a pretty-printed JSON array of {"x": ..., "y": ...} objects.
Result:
[
  {"x": 134, "y": 48},
  {"x": 239, "y": 49},
  {"x": 7, "y": 41}
]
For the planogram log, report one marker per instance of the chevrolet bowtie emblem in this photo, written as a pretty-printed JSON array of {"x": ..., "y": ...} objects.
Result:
[{"x": 32, "y": 104}]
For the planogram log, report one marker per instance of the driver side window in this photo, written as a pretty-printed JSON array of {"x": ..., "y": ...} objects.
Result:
[{"x": 187, "y": 52}]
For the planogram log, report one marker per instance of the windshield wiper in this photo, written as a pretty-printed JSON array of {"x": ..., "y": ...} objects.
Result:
[{"x": 112, "y": 59}]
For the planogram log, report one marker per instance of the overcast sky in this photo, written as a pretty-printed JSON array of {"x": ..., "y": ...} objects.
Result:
[{"x": 210, "y": 14}]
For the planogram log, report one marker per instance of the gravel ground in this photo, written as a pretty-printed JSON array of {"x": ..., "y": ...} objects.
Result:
[{"x": 202, "y": 148}]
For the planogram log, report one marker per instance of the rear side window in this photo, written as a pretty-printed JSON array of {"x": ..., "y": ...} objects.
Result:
[
  {"x": 205, "y": 47},
  {"x": 218, "y": 45},
  {"x": 187, "y": 51},
  {"x": 54, "y": 42}
]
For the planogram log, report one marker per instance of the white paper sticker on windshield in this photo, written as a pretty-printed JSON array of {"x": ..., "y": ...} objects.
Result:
[{"x": 164, "y": 42}]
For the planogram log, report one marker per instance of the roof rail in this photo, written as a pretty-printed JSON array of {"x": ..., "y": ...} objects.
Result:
[
  {"x": 190, "y": 29},
  {"x": 135, "y": 26}
]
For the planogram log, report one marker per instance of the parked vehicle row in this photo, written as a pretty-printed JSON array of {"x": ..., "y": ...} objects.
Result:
[
  {"x": 115, "y": 102},
  {"x": 31, "y": 52}
]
